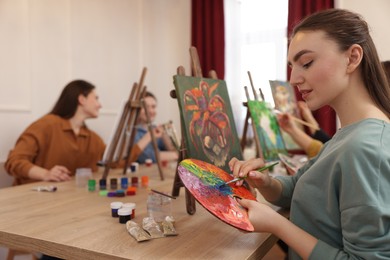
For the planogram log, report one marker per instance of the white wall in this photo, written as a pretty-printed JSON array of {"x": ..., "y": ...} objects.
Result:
[
  {"x": 47, "y": 43},
  {"x": 376, "y": 13}
]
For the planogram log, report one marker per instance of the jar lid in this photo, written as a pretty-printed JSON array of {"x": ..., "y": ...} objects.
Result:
[
  {"x": 103, "y": 193},
  {"x": 129, "y": 205},
  {"x": 124, "y": 211},
  {"x": 116, "y": 205}
]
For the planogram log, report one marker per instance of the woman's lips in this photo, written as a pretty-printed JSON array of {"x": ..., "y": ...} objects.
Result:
[{"x": 305, "y": 93}]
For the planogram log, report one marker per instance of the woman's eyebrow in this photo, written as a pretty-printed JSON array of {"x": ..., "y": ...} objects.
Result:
[{"x": 298, "y": 55}]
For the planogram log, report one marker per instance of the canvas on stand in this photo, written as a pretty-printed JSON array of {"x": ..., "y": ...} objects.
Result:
[
  {"x": 267, "y": 129},
  {"x": 285, "y": 101},
  {"x": 207, "y": 120}
]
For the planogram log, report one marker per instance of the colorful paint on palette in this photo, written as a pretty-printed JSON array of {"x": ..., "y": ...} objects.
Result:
[{"x": 204, "y": 181}]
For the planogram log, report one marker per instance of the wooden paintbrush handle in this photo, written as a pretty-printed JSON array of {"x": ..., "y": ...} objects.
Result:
[{"x": 305, "y": 123}]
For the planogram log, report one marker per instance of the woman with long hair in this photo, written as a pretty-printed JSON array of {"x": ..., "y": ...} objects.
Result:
[
  {"x": 339, "y": 201},
  {"x": 54, "y": 146}
]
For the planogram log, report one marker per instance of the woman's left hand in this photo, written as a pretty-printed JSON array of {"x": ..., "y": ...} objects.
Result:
[{"x": 260, "y": 215}]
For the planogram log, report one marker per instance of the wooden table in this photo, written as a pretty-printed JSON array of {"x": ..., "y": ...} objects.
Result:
[{"x": 74, "y": 223}]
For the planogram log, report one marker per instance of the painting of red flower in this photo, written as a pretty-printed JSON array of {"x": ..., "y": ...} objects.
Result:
[{"x": 210, "y": 132}]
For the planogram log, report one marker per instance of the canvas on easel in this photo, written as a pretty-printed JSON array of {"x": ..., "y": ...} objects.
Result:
[
  {"x": 185, "y": 146},
  {"x": 209, "y": 128},
  {"x": 267, "y": 134},
  {"x": 122, "y": 139},
  {"x": 285, "y": 101},
  {"x": 267, "y": 130}
]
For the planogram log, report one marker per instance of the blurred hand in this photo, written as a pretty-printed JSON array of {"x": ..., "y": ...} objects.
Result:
[
  {"x": 57, "y": 173},
  {"x": 286, "y": 122},
  {"x": 158, "y": 131}
]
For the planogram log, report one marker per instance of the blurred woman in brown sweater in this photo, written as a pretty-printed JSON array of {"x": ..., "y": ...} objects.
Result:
[{"x": 54, "y": 146}]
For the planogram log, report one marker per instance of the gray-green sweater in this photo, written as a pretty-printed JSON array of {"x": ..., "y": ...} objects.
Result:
[{"x": 342, "y": 196}]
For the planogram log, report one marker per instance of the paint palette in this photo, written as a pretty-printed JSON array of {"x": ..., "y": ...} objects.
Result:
[{"x": 206, "y": 183}]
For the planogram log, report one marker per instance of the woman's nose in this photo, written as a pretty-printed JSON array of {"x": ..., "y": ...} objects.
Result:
[{"x": 295, "y": 78}]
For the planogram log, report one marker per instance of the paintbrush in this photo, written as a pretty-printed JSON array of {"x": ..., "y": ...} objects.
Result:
[
  {"x": 259, "y": 170},
  {"x": 161, "y": 193},
  {"x": 299, "y": 120}
]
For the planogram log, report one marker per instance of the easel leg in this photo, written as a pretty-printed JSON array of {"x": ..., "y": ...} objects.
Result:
[
  {"x": 190, "y": 203},
  {"x": 190, "y": 200},
  {"x": 177, "y": 184},
  {"x": 244, "y": 132}
]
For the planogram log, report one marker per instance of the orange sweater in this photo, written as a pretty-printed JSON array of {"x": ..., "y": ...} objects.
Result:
[
  {"x": 314, "y": 148},
  {"x": 50, "y": 141}
]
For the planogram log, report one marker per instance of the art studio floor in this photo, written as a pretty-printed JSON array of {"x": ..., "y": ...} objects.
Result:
[{"x": 4, "y": 253}]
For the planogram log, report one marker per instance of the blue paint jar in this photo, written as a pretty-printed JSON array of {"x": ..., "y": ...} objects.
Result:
[
  {"x": 103, "y": 184},
  {"x": 124, "y": 183},
  {"x": 115, "y": 206}
]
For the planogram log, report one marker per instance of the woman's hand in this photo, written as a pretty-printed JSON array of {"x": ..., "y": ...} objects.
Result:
[
  {"x": 57, "y": 173},
  {"x": 249, "y": 169},
  {"x": 260, "y": 215},
  {"x": 286, "y": 123},
  {"x": 158, "y": 131}
]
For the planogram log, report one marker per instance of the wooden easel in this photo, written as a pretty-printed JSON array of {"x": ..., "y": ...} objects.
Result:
[
  {"x": 125, "y": 126},
  {"x": 248, "y": 116},
  {"x": 177, "y": 184}
]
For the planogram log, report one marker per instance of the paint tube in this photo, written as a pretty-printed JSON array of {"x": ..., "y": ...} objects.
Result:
[
  {"x": 137, "y": 232},
  {"x": 151, "y": 226}
]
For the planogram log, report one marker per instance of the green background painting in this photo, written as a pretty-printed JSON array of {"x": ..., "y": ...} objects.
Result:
[
  {"x": 209, "y": 130},
  {"x": 267, "y": 129}
]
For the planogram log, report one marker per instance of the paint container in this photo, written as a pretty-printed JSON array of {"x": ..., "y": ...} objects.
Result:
[
  {"x": 113, "y": 184},
  {"x": 124, "y": 182},
  {"x": 111, "y": 194},
  {"x": 82, "y": 176},
  {"x": 148, "y": 162},
  {"x": 145, "y": 181},
  {"x": 132, "y": 188},
  {"x": 115, "y": 206},
  {"x": 134, "y": 167},
  {"x": 124, "y": 215},
  {"x": 91, "y": 185},
  {"x": 131, "y": 191},
  {"x": 102, "y": 184},
  {"x": 134, "y": 181},
  {"x": 130, "y": 206},
  {"x": 164, "y": 163},
  {"x": 120, "y": 193},
  {"x": 103, "y": 193},
  {"x": 158, "y": 206}
]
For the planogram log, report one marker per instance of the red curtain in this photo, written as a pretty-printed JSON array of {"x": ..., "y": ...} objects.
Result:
[
  {"x": 297, "y": 10},
  {"x": 208, "y": 35}
]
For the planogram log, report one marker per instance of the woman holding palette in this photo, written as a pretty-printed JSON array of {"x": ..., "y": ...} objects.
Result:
[{"x": 339, "y": 200}]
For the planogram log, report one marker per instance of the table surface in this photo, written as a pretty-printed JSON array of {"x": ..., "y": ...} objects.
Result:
[{"x": 74, "y": 223}]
